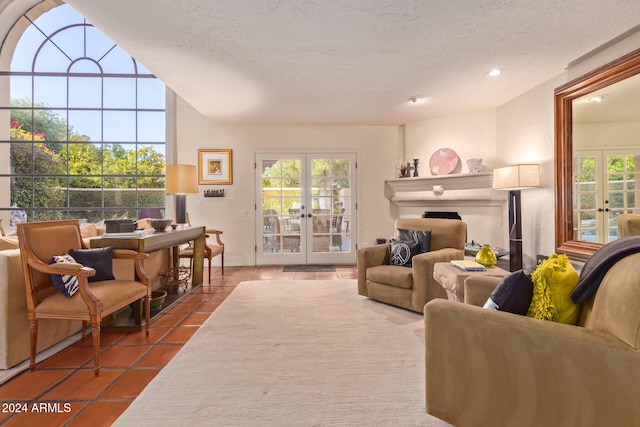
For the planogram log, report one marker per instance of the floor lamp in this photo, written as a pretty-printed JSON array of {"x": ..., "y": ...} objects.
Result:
[
  {"x": 180, "y": 181},
  {"x": 515, "y": 178}
]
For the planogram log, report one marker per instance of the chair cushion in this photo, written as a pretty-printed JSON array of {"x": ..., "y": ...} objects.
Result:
[
  {"x": 66, "y": 284},
  {"x": 392, "y": 275},
  {"x": 113, "y": 295},
  {"x": 100, "y": 259}
]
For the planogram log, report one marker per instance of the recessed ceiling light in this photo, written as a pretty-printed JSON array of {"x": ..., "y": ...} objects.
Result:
[
  {"x": 494, "y": 73},
  {"x": 416, "y": 99},
  {"x": 596, "y": 98}
]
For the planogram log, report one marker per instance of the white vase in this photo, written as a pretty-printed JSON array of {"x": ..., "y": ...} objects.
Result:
[{"x": 474, "y": 165}]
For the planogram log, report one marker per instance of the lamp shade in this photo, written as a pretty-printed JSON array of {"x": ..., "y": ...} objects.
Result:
[
  {"x": 181, "y": 179},
  {"x": 516, "y": 177}
]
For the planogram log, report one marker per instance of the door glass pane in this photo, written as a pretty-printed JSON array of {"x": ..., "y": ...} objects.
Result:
[{"x": 281, "y": 206}]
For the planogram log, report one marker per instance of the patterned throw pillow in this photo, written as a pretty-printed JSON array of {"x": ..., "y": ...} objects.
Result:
[
  {"x": 423, "y": 237},
  {"x": 402, "y": 251},
  {"x": 65, "y": 284}
]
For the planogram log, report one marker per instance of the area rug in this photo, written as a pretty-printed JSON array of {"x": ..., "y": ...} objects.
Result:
[
  {"x": 309, "y": 268},
  {"x": 293, "y": 353}
]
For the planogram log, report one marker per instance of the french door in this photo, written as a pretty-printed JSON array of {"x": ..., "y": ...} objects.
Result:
[
  {"x": 305, "y": 208},
  {"x": 604, "y": 187}
]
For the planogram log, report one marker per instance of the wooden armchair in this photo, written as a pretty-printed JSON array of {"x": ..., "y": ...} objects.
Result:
[
  {"x": 210, "y": 250},
  {"x": 39, "y": 243}
]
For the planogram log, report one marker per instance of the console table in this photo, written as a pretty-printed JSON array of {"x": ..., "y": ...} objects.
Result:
[{"x": 156, "y": 241}]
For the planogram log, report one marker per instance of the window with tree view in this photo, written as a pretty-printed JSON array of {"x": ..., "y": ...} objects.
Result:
[{"x": 86, "y": 124}]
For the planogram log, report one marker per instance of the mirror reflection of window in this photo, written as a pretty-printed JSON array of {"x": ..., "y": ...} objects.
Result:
[{"x": 606, "y": 150}]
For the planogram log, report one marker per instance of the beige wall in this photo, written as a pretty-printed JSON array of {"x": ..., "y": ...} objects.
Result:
[
  {"x": 470, "y": 135},
  {"x": 234, "y": 214}
]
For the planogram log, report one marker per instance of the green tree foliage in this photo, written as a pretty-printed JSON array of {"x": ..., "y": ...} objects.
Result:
[
  {"x": 46, "y": 152},
  {"x": 283, "y": 179}
]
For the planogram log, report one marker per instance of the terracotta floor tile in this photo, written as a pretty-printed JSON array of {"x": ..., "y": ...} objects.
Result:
[
  {"x": 83, "y": 385},
  {"x": 182, "y": 308},
  {"x": 99, "y": 414},
  {"x": 264, "y": 275},
  {"x": 179, "y": 335},
  {"x": 195, "y": 319},
  {"x": 30, "y": 385},
  {"x": 56, "y": 414},
  {"x": 130, "y": 384},
  {"x": 140, "y": 338},
  {"x": 72, "y": 357},
  {"x": 106, "y": 339},
  {"x": 158, "y": 356},
  {"x": 327, "y": 276},
  {"x": 197, "y": 298},
  {"x": 225, "y": 290},
  {"x": 306, "y": 275},
  {"x": 122, "y": 356},
  {"x": 207, "y": 307},
  {"x": 217, "y": 298},
  {"x": 167, "y": 320},
  {"x": 286, "y": 276}
]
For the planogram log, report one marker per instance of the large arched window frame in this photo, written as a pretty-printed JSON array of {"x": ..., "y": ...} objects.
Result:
[{"x": 86, "y": 137}]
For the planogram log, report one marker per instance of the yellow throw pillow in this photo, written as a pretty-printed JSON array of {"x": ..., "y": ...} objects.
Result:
[{"x": 553, "y": 281}]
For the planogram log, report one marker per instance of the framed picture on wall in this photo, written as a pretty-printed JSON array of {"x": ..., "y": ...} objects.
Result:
[{"x": 215, "y": 167}]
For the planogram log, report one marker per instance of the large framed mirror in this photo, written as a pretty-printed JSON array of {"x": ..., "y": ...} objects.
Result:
[{"x": 597, "y": 145}]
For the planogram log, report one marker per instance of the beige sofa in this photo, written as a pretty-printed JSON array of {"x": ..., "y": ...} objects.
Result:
[
  {"x": 410, "y": 287},
  {"x": 487, "y": 367},
  {"x": 14, "y": 325}
]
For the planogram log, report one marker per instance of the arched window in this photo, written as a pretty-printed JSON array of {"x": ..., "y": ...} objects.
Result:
[{"x": 87, "y": 124}]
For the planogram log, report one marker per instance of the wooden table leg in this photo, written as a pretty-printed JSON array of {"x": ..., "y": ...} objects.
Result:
[{"x": 198, "y": 260}]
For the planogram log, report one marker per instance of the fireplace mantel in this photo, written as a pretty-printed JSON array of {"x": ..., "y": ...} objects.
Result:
[{"x": 465, "y": 189}]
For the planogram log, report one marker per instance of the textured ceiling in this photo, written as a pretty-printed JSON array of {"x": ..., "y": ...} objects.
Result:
[{"x": 354, "y": 61}]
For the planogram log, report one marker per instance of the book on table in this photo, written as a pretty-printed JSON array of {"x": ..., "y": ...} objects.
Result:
[
  {"x": 126, "y": 235},
  {"x": 468, "y": 265}
]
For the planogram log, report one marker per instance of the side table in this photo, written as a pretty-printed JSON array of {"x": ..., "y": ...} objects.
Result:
[{"x": 452, "y": 278}]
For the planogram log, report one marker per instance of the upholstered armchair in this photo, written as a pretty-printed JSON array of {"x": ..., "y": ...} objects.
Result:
[
  {"x": 628, "y": 225},
  {"x": 486, "y": 367},
  {"x": 410, "y": 287},
  {"x": 74, "y": 297}
]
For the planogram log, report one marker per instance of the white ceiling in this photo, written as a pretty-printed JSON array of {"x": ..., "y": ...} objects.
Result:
[{"x": 354, "y": 61}]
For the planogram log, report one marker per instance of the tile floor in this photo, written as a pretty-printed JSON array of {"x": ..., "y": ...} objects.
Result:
[{"x": 62, "y": 390}]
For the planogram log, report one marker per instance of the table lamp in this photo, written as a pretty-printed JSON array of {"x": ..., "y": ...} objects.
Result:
[
  {"x": 515, "y": 178},
  {"x": 180, "y": 181}
]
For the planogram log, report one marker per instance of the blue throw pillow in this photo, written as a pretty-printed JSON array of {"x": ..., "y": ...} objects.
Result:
[
  {"x": 513, "y": 294},
  {"x": 65, "y": 284},
  {"x": 402, "y": 251},
  {"x": 100, "y": 259}
]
